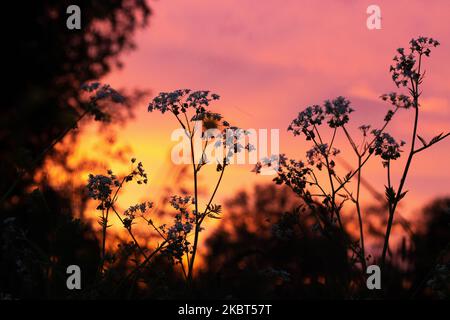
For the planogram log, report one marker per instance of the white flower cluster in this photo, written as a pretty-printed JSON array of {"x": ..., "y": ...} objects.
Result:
[
  {"x": 398, "y": 100},
  {"x": 101, "y": 93},
  {"x": 177, "y": 234},
  {"x": 130, "y": 213},
  {"x": 385, "y": 146},
  {"x": 99, "y": 187},
  {"x": 405, "y": 66},
  {"x": 317, "y": 155},
  {"x": 335, "y": 112},
  {"x": 179, "y": 101}
]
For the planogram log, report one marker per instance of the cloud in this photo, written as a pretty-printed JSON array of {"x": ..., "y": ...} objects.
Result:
[
  {"x": 435, "y": 105},
  {"x": 365, "y": 92}
]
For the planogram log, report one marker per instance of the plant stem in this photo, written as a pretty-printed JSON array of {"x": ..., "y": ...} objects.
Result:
[
  {"x": 130, "y": 233},
  {"x": 197, "y": 225},
  {"x": 334, "y": 208},
  {"x": 397, "y": 199},
  {"x": 358, "y": 210},
  {"x": 104, "y": 226},
  {"x": 140, "y": 266},
  {"x": 415, "y": 93}
]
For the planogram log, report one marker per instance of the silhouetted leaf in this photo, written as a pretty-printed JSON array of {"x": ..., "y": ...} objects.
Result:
[
  {"x": 436, "y": 139},
  {"x": 390, "y": 194},
  {"x": 422, "y": 140},
  {"x": 402, "y": 195}
]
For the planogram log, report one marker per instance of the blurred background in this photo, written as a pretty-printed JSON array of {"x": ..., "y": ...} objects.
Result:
[{"x": 267, "y": 61}]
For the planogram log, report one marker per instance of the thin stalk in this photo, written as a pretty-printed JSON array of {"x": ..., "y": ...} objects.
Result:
[
  {"x": 213, "y": 195},
  {"x": 397, "y": 199},
  {"x": 197, "y": 226},
  {"x": 130, "y": 233},
  {"x": 358, "y": 210},
  {"x": 357, "y": 204},
  {"x": 335, "y": 210},
  {"x": 104, "y": 227},
  {"x": 140, "y": 266},
  {"x": 415, "y": 93}
]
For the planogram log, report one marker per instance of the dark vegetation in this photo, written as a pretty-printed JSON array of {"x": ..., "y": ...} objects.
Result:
[{"x": 267, "y": 244}]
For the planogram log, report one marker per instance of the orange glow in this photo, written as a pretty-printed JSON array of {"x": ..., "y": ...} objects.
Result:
[{"x": 268, "y": 60}]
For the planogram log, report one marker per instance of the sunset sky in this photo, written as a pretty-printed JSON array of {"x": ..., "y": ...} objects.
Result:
[{"x": 270, "y": 59}]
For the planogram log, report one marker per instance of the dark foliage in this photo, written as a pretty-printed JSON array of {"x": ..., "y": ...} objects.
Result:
[{"x": 44, "y": 67}]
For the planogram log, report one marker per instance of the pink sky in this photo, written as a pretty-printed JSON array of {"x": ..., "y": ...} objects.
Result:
[{"x": 270, "y": 59}]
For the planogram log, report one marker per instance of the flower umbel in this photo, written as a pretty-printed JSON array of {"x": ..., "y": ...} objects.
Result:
[
  {"x": 405, "y": 67},
  {"x": 385, "y": 146},
  {"x": 335, "y": 112}
]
